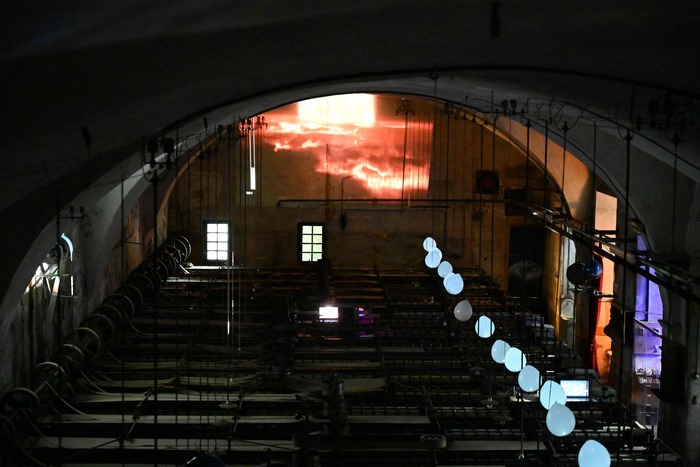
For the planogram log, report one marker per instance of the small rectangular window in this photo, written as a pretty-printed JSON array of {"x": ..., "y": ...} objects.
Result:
[
  {"x": 217, "y": 236},
  {"x": 311, "y": 242}
]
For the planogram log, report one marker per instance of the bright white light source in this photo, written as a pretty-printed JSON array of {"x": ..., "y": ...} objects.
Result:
[
  {"x": 70, "y": 245},
  {"x": 529, "y": 379},
  {"x": 515, "y": 359},
  {"x": 344, "y": 109},
  {"x": 560, "y": 420},
  {"x": 432, "y": 259},
  {"x": 593, "y": 454},
  {"x": 454, "y": 284},
  {"x": 552, "y": 393},
  {"x": 429, "y": 244},
  {"x": 328, "y": 313},
  {"x": 498, "y": 350},
  {"x": 252, "y": 178},
  {"x": 484, "y": 327},
  {"x": 444, "y": 269}
]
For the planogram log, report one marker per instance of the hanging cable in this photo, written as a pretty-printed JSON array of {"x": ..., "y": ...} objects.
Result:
[
  {"x": 625, "y": 237},
  {"x": 528, "y": 126},
  {"x": 229, "y": 303},
  {"x": 674, "y": 195},
  {"x": 481, "y": 194},
  {"x": 493, "y": 197},
  {"x": 154, "y": 309},
  {"x": 447, "y": 185},
  {"x": 546, "y": 168},
  {"x": 563, "y": 168}
]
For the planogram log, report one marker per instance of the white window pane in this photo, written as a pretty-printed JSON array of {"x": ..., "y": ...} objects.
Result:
[
  {"x": 306, "y": 229},
  {"x": 306, "y": 248},
  {"x": 318, "y": 248},
  {"x": 222, "y": 247},
  {"x": 211, "y": 228},
  {"x": 317, "y": 256},
  {"x": 211, "y": 255},
  {"x": 306, "y": 256},
  {"x": 223, "y": 228},
  {"x": 222, "y": 237},
  {"x": 318, "y": 229},
  {"x": 306, "y": 239},
  {"x": 318, "y": 239},
  {"x": 221, "y": 255},
  {"x": 211, "y": 237}
]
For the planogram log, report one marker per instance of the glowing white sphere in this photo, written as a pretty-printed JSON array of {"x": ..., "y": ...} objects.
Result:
[
  {"x": 498, "y": 350},
  {"x": 463, "y": 311},
  {"x": 567, "y": 309},
  {"x": 429, "y": 244},
  {"x": 593, "y": 454},
  {"x": 444, "y": 269},
  {"x": 552, "y": 393},
  {"x": 515, "y": 359},
  {"x": 432, "y": 259},
  {"x": 454, "y": 284},
  {"x": 529, "y": 379},
  {"x": 484, "y": 327},
  {"x": 560, "y": 420}
]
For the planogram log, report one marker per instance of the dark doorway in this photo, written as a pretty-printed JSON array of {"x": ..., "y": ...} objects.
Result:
[{"x": 526, "y": 264}]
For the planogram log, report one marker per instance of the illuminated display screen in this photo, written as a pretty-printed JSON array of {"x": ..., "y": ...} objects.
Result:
[
  {"x": 328, "y": 313},
  {"x": 359, "y": 136},
  {"x": 575, "y": 388}
]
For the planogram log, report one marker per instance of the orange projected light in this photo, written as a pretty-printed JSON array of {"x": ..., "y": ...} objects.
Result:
[
  {"x": 349, "y": 135},
  {"x": 346, "y": 109}
]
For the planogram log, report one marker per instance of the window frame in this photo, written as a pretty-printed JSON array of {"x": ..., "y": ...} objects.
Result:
[
  {"x": 206, "y": 242},
  {"x": 301, "y": 242}
]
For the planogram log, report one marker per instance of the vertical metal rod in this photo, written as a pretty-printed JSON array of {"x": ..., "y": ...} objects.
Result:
[
  {"x": 122, "y": 246},
  {"x": 546, "y": 169},
  {"x": 625, "y": 236},
  {"x": 528, "y": 125},
  {"x": 447, "y": 185},
  {"x": 154, "y": 309},
  {"x": 493, "y": 199},
  {"x": 403, "y": 172},
  {"x": 481, "y": 194},
  {"x": 229, "y": 257}
]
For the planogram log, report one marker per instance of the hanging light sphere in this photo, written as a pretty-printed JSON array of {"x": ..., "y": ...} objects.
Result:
[
  {"x": 454, "y": 284},
  {"x": 429, "y": 244},
  {"x": 593, "y": 270},
  {"x": 498, "y": 350},
  {"x": 463, "y": 311},
  {"x": 593, "y": 454},
  {"x": 576, "y": 273},
  {"x": 432, "y": 259},
  {"x": 529, "y": 379},
  {"x": 552, "y": 393},
  {"x": 567, "y": 309},
  {"x": 515, "y": 360},
  {"x": 560, "y": 420},
  {"x": 484, "y": 327},
  {"x": 444, "y": 269}
]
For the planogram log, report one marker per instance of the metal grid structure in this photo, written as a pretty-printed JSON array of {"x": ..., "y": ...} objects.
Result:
[{"x": 236, "y": 363}]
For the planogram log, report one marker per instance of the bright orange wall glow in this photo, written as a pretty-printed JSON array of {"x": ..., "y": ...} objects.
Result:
[
  {"x": 353, "y": 135},
  {"x": 345, "y": 109}
]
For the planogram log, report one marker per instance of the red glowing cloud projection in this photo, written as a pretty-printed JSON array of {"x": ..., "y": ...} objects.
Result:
[{"x": 359, "y": 135}]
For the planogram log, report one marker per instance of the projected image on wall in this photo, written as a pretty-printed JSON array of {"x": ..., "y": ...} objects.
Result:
[{"x": 381, "y": 147}]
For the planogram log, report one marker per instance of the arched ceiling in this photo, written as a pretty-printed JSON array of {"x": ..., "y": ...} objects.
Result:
[{"x": 126, "y": 70}]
